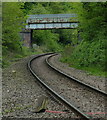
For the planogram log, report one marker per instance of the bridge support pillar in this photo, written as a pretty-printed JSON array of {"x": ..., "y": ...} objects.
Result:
[
  {"x": 26, "y": 37},
  {"x": 31, "y": 35}
]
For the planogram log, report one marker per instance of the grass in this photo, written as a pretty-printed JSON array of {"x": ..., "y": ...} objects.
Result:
[
  {"x": 93, "y": 71},
  {"x": 90, "y": 70},
  {"x": 9, "y": 58}
]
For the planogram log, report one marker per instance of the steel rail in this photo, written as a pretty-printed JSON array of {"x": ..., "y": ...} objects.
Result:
[
  {"x": 65, "y": 102},
  {"x": 74, "y": 79}
]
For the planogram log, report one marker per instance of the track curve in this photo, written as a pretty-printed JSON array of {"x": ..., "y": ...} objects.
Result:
[
  {"x": 74, "y": 79},
  {"x": 66, "y": 102}
]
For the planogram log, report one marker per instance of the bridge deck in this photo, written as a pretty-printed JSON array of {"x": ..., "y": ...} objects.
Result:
[{"x": 52, "y": 21}]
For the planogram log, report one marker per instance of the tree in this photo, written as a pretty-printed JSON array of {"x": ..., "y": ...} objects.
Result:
[
  {"x": 13, "y": 19},
  {"x": 38, "y": 9},
  {"x": 93, "y": 26}
]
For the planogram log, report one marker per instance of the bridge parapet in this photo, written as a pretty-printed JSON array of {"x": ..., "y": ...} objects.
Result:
[
  {"x": 52, "y": 18},
  {"x": 52, "y": 21}
]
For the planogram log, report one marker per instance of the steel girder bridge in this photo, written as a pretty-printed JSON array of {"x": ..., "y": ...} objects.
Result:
[
  {"x": 52, "y": 21},
  {"x": 47, "y": 21}
]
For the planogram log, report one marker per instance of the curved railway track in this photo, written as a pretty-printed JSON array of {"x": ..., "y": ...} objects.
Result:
[
  {"x": 74, "y": 79},
  {"x": 59, "y": 95}
]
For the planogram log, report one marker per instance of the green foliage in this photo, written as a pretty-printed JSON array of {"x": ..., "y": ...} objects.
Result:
[
  {"x": 47, "y": 7},
  {"x": 11, "y": 57},
  {"x": 13, "y": 18},
  {"x": 66, "y": 54},
  {"x": 48, "y": 39},
  {"x": 67, "y": 36},
  {"x": 12, "y": 24},
  {"x": 88, "y": 56},
  {"x": 90, "y": 53},
  {"x": 38, "y": 9},
  {"x": 59, "y": 7}
]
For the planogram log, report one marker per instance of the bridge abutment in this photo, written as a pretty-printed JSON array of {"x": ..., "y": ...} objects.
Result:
[{"x": 26, "y": 36}]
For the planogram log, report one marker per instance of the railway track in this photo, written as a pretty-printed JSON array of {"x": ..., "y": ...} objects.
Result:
[
  {"x": 74, "y": 79},
  {"x": 60, "y": 95}
]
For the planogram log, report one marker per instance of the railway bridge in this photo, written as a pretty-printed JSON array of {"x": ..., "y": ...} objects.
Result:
[{"x": 47, "y": 21}]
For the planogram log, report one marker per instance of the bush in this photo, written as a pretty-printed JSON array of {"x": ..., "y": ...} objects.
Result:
[{"x": 89, "y": 54}]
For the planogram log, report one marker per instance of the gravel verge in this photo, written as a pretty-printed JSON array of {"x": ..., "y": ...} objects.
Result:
[
  {"x": 96, "y": 81},
  {"x": 83, "y": 99},
  {"x": 20, "y": 91}
]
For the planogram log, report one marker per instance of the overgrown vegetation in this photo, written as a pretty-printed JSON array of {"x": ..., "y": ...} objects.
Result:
[
  {"x": 13, "y": 21},
  {"x": 83, "y": 48},
  {"x": 47, "y": 39},
  {"x": 12, "y": 24},
  {"x": 14, "y": 16},
  {"x": 90, "y": 53},
  {"x": 50, "y": 40}
]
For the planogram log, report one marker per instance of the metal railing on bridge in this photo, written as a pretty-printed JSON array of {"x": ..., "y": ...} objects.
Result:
[{"x": 52, "y": 21}]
